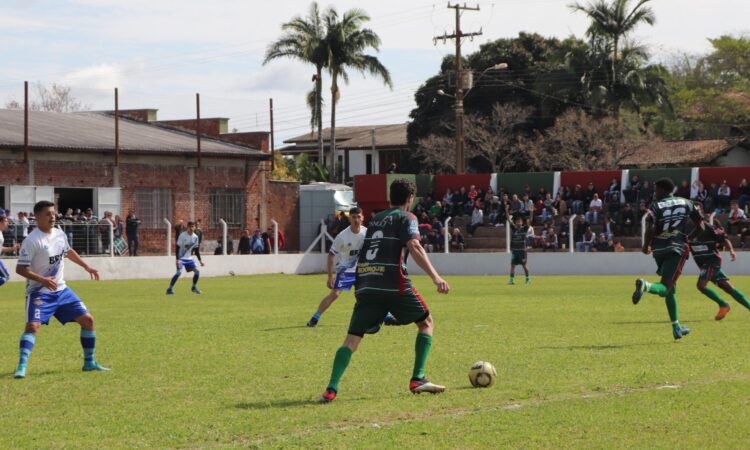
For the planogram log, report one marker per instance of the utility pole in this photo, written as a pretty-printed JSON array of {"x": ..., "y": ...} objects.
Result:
[{"x": 457, "y": 35}]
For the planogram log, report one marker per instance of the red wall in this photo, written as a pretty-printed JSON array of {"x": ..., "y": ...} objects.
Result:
[
  {"x": 733, "y": 175},
  {"x": 455, "y": 182},
  {"x": 370, "y": 188},
  {"x": 601, "y": 179}
]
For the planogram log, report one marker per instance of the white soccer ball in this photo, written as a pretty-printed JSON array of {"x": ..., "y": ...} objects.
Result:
[{"x": 482, "y": 374}]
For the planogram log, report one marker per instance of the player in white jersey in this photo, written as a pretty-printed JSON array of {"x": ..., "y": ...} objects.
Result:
[
  {"x": 4, "y": 274},
  {"x": 342, "y": 261},
  {"x": 187, "y": 243},
  {"x": 41, "y": 262}
]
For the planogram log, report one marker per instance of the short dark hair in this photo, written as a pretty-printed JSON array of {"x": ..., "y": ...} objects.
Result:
[
  {"x": 355, "y": 210},
  {"x": 2, "y": 217},
  {"x": 666, "y": 184},
  {"x": 401, "y": 190},
  {"x": 191, "y": 223},
  {"x": 44, "y": 204}
]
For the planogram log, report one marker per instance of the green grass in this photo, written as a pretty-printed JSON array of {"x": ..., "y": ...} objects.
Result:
[{"x": 578, "y": 366}]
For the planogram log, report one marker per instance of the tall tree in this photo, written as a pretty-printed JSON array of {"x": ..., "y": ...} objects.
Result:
[
  {"x": 347, "y": 41},
  {"x": 57, "y": 98},
  {"x": 613, "y": 21},
  {"x": 304, "y": 40}
]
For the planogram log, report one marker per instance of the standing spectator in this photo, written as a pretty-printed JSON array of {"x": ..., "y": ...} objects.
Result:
[
  {"x": 736, "y": 218},
  {"x": 282, "y": 239},
  {"x": 684, "y": 189},
  {"x": 243, "y": 248},
  {"x": 392, "y": 168},
  {"x": 457, "y": 241},
  {"x": 257, "y": 245},
  {"x": 550, "y": 241},
  {"x": 266, "y": 237},
  {"x": 612, "y": 191},
  {"x": 563, "y": 235},
  {"x": 647, "y": 193},
  {"x": 104, "y": 225},
  {"x": 743, "y": 192},
  {"x": 633, "y": 190},
  {"x": 704, "y": 198},
  {"x": 118, "y": 228},
  {"x": 459, "y": 201},
  {"x": 595, "y": 208},
  {"x": 627, "y": 220},
  {"x": 589, "y": 196},
  {"x": 723, "y": 195},
  {"x": 560, "y": 205},
  {"x": 22, "y": 227},
  {"x": 477, "y": 220},
  {"x": 131, "y": 231},
  {"x": 91, "y": 231},
  {"x": 642, "y": 211}
]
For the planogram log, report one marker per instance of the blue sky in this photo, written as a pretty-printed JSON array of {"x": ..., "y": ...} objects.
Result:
[{"x": 161, "y": 52}]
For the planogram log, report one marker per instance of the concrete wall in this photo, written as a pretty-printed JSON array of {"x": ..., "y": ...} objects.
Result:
[{"x": 154, "y": 267}]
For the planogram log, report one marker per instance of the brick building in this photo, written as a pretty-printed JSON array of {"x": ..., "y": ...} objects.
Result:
[{"x": 71, "y": 161}]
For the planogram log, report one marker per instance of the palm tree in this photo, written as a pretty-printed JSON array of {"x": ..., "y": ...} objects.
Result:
[
  {"x": 346, "y": 42},
  {"x": 611, "y": 20},
  {"x": 304, "y": 40}
]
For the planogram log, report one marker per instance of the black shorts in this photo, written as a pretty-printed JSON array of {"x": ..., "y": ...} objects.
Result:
[{"x": 407, "y": 306}]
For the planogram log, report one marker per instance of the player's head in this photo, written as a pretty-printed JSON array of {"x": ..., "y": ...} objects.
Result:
[
  {"x": 355, "y": 217},
  {"x": 3, "y": 222},
  {"x": 664, "y": 187},
  {"x": 519, "y": 221},
  {"x": 44, "y": 211},
  {"x": 402, "y": 192},
  {"x": 191, "y": 227}
]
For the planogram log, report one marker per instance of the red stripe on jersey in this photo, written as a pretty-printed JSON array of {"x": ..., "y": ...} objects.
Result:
[
  {"x": 421, "y": 300},
  {"x": 681, "y": 265}
]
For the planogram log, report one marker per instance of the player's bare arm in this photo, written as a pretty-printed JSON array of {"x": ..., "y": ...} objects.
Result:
[
  {"x": 76, "y": 258},
  {"x": 650, "y": 233},
  {"x": 329, "y": 265},
  {"x": 420, "y": 257},
  {"x": 730, "y": 248},
  {"x": 26, "y": 272}
]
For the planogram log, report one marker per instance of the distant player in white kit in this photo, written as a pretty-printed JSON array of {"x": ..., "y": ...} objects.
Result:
[
  {"x": 41, "y": 262},
  {"x": 187, "y": 242},
  {"x": 4, "y": 274}
]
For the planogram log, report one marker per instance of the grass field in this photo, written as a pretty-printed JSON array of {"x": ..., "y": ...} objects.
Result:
[{"x": 578, "y": 366}]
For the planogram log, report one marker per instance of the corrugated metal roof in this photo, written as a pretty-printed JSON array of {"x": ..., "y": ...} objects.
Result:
[
  {"x": 678, "y": 152},
  {"x": 359, "y": 137},
  {"x": 96, "y": 131}
]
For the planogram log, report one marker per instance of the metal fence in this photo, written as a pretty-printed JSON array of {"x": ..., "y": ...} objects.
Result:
[{"x": 88, "y": 239}]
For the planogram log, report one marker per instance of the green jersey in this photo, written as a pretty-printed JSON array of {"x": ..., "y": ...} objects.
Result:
[
  {"x": 382, "y": 260},
  {"x": 670, "y": 217},
  {"x": 706, "y": 245},
  {"x": 517, "y": 238}
]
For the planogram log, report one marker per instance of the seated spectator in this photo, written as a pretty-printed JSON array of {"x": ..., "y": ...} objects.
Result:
[
  {"x": 586, "y": 242},
  {"x": 563, "y": 232},
  {"x": 612, "y": 191},
  {"x": 459, "y": 201},
  {"x": 588, "y": 196},
  {"x": 578, "y": 197},
  {"x": 608, "y": 226},
  {"x": 472, "y": 197},
  {"x": 723, "y": 196},
  {"x": 633, "y": 190},
  {"x": 560, "y": 205},
  {"x": 448, "y": 202},
  {"x": 595, "y": 208},
  {"x": 647, "y": 193},
  {"x": 515, "y": 207},
  {"x": 550, "y": 241},
  {"x": 457, "y": 241},
  {"x": 538, "y": 210},
  {"x": 736, "y": 218},
  {"x": 531, "y": 237},
  {"x": 548, "y": 210},
  {"x": 477, "y": 220},
  {"x": 619, "y": 248},
  {"x": 743, "y": 192},
  {"x": 684, "y": 189},
  {"x": 528, "y": 208},
  {"x": 434, "y": 241},
  {"x": 705, "y": 198},
  {"x": 603, "y": 244},
  {"x": 642, "y": 211},
  {"x": 627, "y": 220},
  {"x": 257, "y": 246},
  {"x": 244, "y": 248},
  {"x": 436, "y": 210}
]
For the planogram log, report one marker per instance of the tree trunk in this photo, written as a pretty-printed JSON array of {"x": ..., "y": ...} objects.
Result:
[
  {"x": 334, "y": 95},
  {"x": 319, "y": 119},
  {"x": 613, "y": 87}
]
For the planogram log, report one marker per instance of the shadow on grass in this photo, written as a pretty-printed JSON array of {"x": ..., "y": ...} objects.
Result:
[
  {"x": 285, "y": 328},
  {"x": 600, "y": 347},
  {"x": 286, "y": 403},
  {"x": 43, "y": 373},
  {"x": 662, "y": 322}
]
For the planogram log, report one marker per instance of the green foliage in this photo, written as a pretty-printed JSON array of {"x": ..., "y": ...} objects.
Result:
[
  {"x": 578, "y": 367},
  {"x": 309, "y": 171}
]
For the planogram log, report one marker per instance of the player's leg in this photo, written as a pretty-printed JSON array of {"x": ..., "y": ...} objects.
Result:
[
  {"x": 706, "y": 274},
  {"x": 642, "y": 286},
  {"x": 88, "y": 342},
  {"x": 174, "y": 279},
  {"x": 196, "y": 276},
  {"x": 340, "y": 363},
  {"x": 26, "y": 345},
  {"x": 323, "y": 306},
  {"x": 671, "y": 271},
  {"x": 512, "y": 273},
  {"x": 526, "y": 271},
  {"x": 725, "y": 285},
  {"x": 4, "y": 274}
]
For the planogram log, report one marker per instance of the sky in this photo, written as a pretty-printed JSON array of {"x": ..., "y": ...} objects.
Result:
[{"x": 159, "y": 53}]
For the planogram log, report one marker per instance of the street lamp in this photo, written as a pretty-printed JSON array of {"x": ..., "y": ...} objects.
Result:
[{"x": 460, "y": 94}]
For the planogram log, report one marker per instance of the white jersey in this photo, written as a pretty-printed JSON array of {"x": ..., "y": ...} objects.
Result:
[
  {"x": 186, "y": 244},
  {"x": 45, "y": 255},
  {"x": 2, "y": 240},
  {"x": 346, "y": 248}
]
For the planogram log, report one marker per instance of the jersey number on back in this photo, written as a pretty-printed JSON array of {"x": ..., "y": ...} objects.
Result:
[
  {"x": 373, "y": 252},
  {"x": 674, "y": 222}
]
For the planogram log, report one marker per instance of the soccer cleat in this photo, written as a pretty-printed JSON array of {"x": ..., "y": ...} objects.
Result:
[
  {"x": 196, "y": 290},
  {"x": 328, "y": 396},
  {"x": 93, "y": 366},
  {"x": 528, "y": 280},
  {"x": 511, "y": 281},
  {"x": 20, "y": 371},
  {"x": 723, "y": 311},
  {"x": 170, "y": 291},
  {"x": 417, "y": 386},
  {"x": 390, "y": 320},
  {"x": 679, "y": 332},
  {"x": 312, "y": 322},
  {"x": 640, "y": 289}
]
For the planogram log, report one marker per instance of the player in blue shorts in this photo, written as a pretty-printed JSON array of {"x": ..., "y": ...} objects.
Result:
[
  {"x": 4, "y": 274},
  {"x": 41, "y": 262},
  {"x": 187, "y": 243}
]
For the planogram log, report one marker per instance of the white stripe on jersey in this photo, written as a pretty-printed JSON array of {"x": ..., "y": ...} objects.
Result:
[{"x": 346, "y": 249}]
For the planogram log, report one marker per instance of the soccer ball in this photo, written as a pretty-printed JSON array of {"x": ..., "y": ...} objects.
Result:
[{"x": 482, "y": 374}]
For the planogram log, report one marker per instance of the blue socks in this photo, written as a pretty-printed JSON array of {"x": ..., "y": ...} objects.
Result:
[
  {"x": 2, "y": 280},
  {"x": 316, "y": 316},
  {"x": 174, "y": 279},
  {"x": 88, "y": 342},
  {"x": 26, "y": 346},
  {"x": 195, "y": 278}
]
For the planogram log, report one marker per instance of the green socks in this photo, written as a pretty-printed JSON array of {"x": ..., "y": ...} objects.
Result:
[
  {"x": 340, "y": 363},
  {"x": 657, "y": 289},
  {"x": 671, "y": 301},
  {"x": 421, "y": 351},
  {"x": 740, "y": 297},
  {"x": 710, "y": 293}
]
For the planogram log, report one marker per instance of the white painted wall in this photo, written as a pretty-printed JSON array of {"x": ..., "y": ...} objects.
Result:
[
  {"x": 154, "y": 267},
  {"x": 358, "y": 162}
]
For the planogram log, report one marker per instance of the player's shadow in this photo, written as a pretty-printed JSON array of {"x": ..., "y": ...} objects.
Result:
[
  {"x": 43, "y": 373},
  {"x": 289, "y": 403},
  {"x": 641, "y": 322},
  {"x": 597, "y": 347},
  {"x": 284, "y": 328}
]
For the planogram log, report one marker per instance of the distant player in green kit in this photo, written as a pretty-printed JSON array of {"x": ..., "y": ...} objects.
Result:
[
  {"x": 518, "y": 249},
  {"x": 383, "y": 285},
  {"x": 706, "y": 241},
  {"x": 666, "y": 224}
]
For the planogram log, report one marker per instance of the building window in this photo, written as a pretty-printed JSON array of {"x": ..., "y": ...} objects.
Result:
[
  {"x": 228, "y": 204},
  {"x": 152, "y": 206},
  {"x": 368, "y": 164}
]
